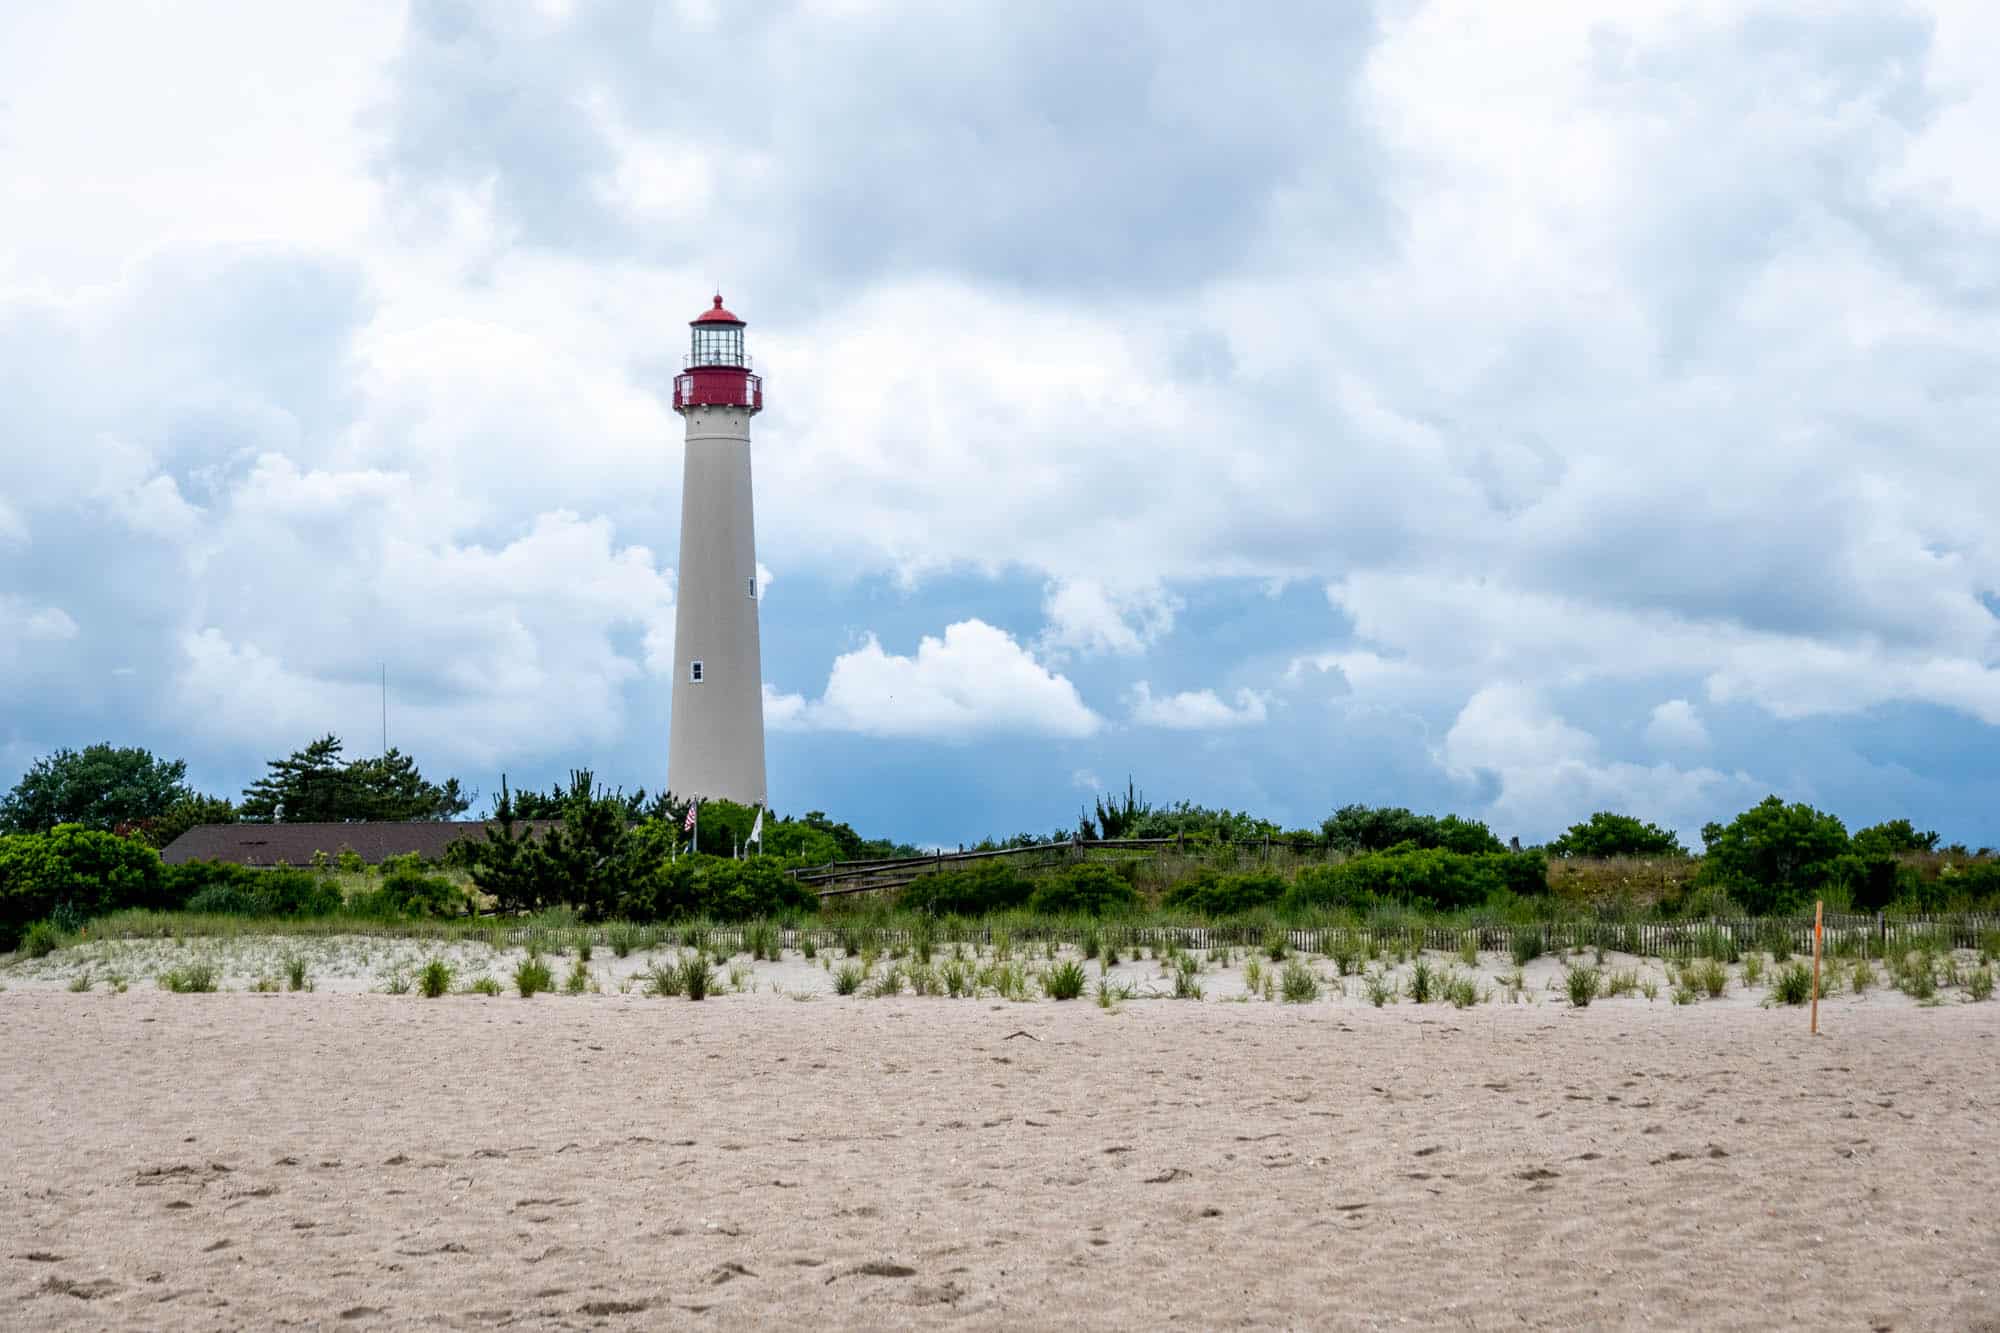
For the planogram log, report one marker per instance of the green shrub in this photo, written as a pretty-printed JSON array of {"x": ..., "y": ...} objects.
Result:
[
  {"x": 412, "y": 893},
  {"x": 1064, "y": 981},
  {"x": 1224, "y": 895},
  {"x": 1774, "y": 858},
  {"x": 189, "y": 979},
  {"x": 224, "y": 900},
  {"x": 1298, "y": 984},
  {"x": 1527, "y": 945},
  {"x": 1792, "y": 984},
  {"x": 990, "y": 887},
  {"x": 296, "y": 976},
  {"x": 231, "y": 890},
  {"x": 1424, "y": 878},
  {"x": 696, "y": 977},
  {"x": 664, "y": 980},
  {"x": 1089, "y": 889},
  {"x": 92, "y": 872},
  {"x": 42, "y": 939},
  {"x": 1423, "y": 981},
  {"x": 434, "y": 979},
  {"x": 847, "y": 979},
  {"x": 1979, "y": 985},
  {"x": 532, "y": 976},
  {"x": 1583, "y": 984}
]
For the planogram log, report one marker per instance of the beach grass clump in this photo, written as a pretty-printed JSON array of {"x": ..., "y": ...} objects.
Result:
[
  {"x": 532, "y": 976},
  {"x": 484, "y": 986},
  {"x": 1582, "y": 985},
  {"x": 298, "y": 977},
  {"x": 1460, "y": 990},
  {"x": 1620, "y": 983},
  {"x": 434, "y": 979},
  {"x": 81, "y": 982},
  {"x": 1380, "y": 990},
  {"x": 1064, "y": 981},
  {"x": 189, "y": 979},
  {"x": 847, "y": 979},
  {"x": 1916, "y": 975},
  {"x": 1423, "y": 981},
  {"x": 1187, "y": 980},
  {"x": 1685, "y": 994},
  {"x": 1989, "y": 948},
  {"x": 1650, "y": 988},
  {"x": 396, "y": 981},
  {"x": 42, "y": 939},
  {"x": 1753, "y": 969},
  {"x": 664, "y": 980},
  {"x": 1979, "y": 984},
  {"x": 1527, "y": 945},
  {"x": 1093, "y": 944},
  {"x": 1253, "y": 976},
  {"x": 1711, "y": 976},
  {"x": 1346, "y": 954},
  {"x": 621, "y": 936},
  {"x": 1298, "y": 984},
  {"x": 886, "y": 986},
  {"x": 578, "y": 980},
  {"x": 1274, "y": 945},
  {"x": 1792, "y": 984},
  {"x": 956, "y": 977},
  {"x": 1862, "y": 977},
  {"x": 1468, "y": 950},
  {"x": 760, "y": 940},
  {"x": 697, "y": 978}
]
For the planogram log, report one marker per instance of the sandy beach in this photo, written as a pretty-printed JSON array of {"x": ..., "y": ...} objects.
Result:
[{"x": 361, "y": 1161}]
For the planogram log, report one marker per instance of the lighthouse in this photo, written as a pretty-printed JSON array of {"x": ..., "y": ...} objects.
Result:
[{"x": 716, "y": 743}]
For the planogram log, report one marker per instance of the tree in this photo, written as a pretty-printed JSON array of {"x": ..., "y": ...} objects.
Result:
[
  {"x": 99, "y": 787},
  {"x": 1115, "y": 818},
  {"x": 1897, "y": 837},
  {"x": 189, "y": 812},
  {"x": 313, "y": 786},
  {"x": 1608, "y": 834},
  {"x": 1774, "y": 857}
]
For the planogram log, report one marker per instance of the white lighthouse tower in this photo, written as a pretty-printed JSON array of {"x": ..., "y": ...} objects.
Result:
[{"x": 716, "y": 746}]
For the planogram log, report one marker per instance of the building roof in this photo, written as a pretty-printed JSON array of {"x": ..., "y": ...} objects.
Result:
[
  {"x": 715, "y": 315},
  {"x": 294, "y": 844}
]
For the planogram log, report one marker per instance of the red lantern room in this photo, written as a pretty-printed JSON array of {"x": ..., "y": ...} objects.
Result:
[{"x": 718, "y": 369}]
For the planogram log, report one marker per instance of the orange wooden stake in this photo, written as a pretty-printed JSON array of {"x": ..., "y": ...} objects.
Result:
[{"x": 1819, "y": 916}]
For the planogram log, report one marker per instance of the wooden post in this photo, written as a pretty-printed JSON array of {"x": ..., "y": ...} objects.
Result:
[{"x": 1819, "y": 916}]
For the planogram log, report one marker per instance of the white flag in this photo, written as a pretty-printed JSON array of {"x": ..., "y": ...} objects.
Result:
[{"x": 757, "y": 828}]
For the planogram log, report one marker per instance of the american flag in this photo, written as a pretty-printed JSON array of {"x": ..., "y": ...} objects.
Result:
[{"x": 687, "y": 825}]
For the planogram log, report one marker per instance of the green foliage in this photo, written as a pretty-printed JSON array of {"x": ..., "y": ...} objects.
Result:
[
  {"x": 1224, "y": 895},
  {"x": 222, "y": 889},
  {"x": 847, "y": 979},
  {"x": 984, "y": 888},
  {"x": 1793, "y": 984},
  {"x": 532, "y": 976},
  {"x": 296, "y": 976},
  {"x": 191, "y": 811},
  {"x": 1116, "y": 818},
  {"x": 1360, "y": 828},
  {"x": 1088, "y": 889},
  {"x": 313, "y": 785},
  {"x": 696, "y": 977},
  {"x": 1434, "y": 877},
  {"x": 1064, "y": 981},
  {"x": 189, "y": 979},
  {"x": 42, "y": 939},
  {"x": 1979, "y": 985},
  {"x": 412, "y": 893},
  {"x": 1583, "y": 984},
  {"x": 100, "y": 787},
  {"x": 1608, "y": 834},
  {"x": 75, "y": 869},
  {"x": 434, "y": 978},
  {"x": 1298, "y": 984},
  {"x": 1423, "y": 981},
  {"x": 1896, "y": 837},
  {"x": 1774, "y": 857},
  {"x": 1199, "y": 822},
  {"x": 1528, "y": 944}
]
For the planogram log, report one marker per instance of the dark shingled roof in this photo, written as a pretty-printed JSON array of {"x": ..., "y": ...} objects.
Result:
[{"x": 294, "y": 844}]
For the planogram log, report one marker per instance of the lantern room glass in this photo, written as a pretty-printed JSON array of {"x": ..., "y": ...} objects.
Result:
[{"x": 717, "y": 345}]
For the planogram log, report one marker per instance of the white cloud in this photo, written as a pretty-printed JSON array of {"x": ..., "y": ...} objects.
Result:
[
  {"x": 1677, "y": 725},
  {"x": 1197, "y": 710},
  {"x": 1090, "y": 618},
  {"x": 1085, "y": 780},
  {"x": 21, "y": 621},
  {"x": 974, "y": 681},
  {"x": 1550, "y": 774}
]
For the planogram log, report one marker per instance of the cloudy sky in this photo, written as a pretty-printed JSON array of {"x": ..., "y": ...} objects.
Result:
[{"x": 1504, "y": 409}]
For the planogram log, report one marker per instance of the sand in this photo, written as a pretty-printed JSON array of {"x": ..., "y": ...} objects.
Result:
[{"x": 364, "y": 1161}]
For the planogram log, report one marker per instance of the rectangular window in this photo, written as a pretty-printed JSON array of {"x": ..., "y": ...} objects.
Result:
[
  {"x": 751, "y": 586},
  {"x": 694, "y": 673}
]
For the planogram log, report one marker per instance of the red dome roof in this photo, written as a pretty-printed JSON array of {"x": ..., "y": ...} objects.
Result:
[{"x": 717, "y": 315}]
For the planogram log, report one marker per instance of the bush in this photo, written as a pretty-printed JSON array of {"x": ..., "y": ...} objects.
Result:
[
  {"x": 92, "y": 872},
  {"x": 232, "y": 890},
  {"x": 191, "y": 979},
  {"x": 43, "y": 938},
  {"x": 713, "y": 887},
  {"x": 696, "y": 978},
  {"x": 1213, "y": 895},
  {"x": 1433, "y": 878},
  {"x": 984, "y": 889},
  {"x": 1089, "y": 889},
  {"x": 413, "y": 893},
  {"x": 1607, "y": 834},
  {"x": 1361, "y": 828},
  {"x": 1583, "y": 984},
  {"x": 1298, "y": 984}
]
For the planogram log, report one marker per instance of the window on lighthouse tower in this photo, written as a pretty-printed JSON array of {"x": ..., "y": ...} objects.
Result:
[{"x": 718, "y": 345}]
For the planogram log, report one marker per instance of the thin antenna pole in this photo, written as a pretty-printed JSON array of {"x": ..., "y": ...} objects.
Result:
[{"x": 385, "y": 709}]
